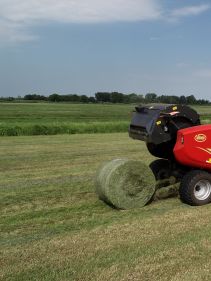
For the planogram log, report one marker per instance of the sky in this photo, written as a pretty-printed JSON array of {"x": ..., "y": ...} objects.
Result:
[{"x": 86, "y": 46}]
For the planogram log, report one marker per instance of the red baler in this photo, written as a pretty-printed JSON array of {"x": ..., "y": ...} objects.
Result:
[{"x": 174, "y": 133}]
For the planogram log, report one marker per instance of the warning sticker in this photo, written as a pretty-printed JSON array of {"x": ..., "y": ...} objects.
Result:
[{"x": 174, "y": 113}]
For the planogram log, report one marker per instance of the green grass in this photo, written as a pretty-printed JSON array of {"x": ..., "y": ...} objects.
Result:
[
  {"x": 64, "y": 118},
  {"x": 53, "y": 227},
  {"x": 28, "y": 113}
]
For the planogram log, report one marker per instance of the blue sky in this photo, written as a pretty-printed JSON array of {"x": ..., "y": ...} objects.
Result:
[{"x": 85, "y": 46}]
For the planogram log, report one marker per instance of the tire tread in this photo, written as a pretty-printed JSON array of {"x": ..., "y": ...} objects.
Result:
[{"x": 186, "y": 186}]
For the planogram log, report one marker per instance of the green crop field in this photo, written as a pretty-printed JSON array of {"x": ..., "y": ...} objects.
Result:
[
  {"x": 53, "y": 227},
  {"x": 64, "y": 118},
  {"x": 54, "y": 118}
]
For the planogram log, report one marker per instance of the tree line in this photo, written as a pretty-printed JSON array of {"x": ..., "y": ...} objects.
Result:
[{"x": 112, "y": 97}]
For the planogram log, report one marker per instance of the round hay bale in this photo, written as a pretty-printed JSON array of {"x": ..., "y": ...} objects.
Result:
[
  {"x": 102, "y": 175},
  {"x": 125, "y": 184}
]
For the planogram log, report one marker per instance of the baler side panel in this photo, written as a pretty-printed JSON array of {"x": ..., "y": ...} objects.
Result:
[{"x": 193, "y": 147}]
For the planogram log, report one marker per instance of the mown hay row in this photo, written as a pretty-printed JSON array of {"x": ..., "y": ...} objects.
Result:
[
  {"x": 63, "y": 128},
  {"x": 167, "y": 192}
]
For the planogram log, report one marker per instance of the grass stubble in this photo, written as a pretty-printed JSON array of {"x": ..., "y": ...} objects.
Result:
[{"x": 53, "y": 227}]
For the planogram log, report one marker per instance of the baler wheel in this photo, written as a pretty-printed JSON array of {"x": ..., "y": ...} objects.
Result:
[
  {"x": 195, "y": 188},
  {"x": 161, "y": 169}
]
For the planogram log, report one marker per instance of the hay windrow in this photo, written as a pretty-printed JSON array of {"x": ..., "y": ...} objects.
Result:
[
  {"x": 166, "y": 182},
  {"x": 167, "y": 192},
  {"x": 125, "y": 184}
]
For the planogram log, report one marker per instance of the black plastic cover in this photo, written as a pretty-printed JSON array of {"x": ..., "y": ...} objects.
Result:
[{"x": 157, "y": 124}]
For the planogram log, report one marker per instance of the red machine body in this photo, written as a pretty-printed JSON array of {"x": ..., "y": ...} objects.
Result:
[
  {"x": 174, "y": 134},
  {"x": 193, "y": 147}
]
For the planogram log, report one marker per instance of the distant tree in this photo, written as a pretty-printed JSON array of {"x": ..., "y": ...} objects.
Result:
[
  {"x": 75, "y": 98},
  {"x": 162, "y": 99},
  {"x": 150, "y": 97},
  {"x": 172, "y": 99},
  {"x": 202, "y": 102},
  {"x": 103, "y": 97},
  {"x": 35, "y": 97},
  {"x": 54, "y": 98},
  {"x": 134, "y": 98},
  {"x": 114, "y": 97},
  {"x": 92, "y": 100},
  {"x": 191, "y": 99},
  {"x": 84, "y": 99},
  {"x": 182, "y": 100},
  {"x": 140, "y": 98},
  {"x": 117, "y": 97},
  {"x": 10, "y": 99},
  {"x": 28, "y": 97}
]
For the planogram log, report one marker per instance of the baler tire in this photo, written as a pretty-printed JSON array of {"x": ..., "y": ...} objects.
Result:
[
  {"x": 161, "y": 169},
  {"x": 195, "y": 188}
]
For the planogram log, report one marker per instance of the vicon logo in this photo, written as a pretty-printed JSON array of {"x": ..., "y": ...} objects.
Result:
[{"x": 200, "y": 138}]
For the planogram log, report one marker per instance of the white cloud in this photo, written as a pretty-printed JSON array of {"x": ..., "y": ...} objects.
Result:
[
  {"x": 14, "y": 32},
  {"x": 79, "y": 10},
  {"x": 17, "y": 15},
  {"x": 203, "y": 73},
  {"x": 190, "y": 10},
  {"x": 154, "y": 38},
  {"x": 182, "y": 64}
]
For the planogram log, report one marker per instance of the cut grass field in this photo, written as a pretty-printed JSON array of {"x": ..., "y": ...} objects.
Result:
[
  {"x": 53, "y": 227},
  {"x": 65, "y": 118}
]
